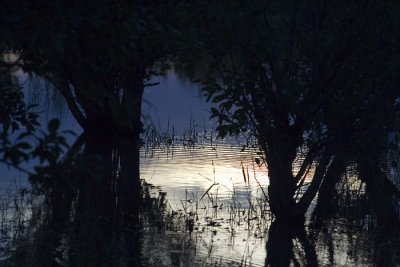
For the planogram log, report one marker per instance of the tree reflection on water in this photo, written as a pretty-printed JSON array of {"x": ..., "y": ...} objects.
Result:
[{"x": 360, "y": 231}]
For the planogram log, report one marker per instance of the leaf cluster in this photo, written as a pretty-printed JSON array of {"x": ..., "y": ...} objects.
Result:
[{"x": 14, "y": 113}]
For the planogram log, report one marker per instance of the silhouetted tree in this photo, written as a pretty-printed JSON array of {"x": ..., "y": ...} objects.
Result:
[
  {"x": 314, "y": 81},
  {"x": 99, "y": 55}
]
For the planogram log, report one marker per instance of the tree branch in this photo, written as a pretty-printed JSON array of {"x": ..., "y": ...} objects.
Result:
[
  {"x": 308, "y": 160},
  {"x": 64, "y": 88},
  {"x": 305, "y": 201}
]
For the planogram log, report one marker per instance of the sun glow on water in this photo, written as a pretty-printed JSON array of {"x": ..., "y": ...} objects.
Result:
[{"x": 221, "y": 171}]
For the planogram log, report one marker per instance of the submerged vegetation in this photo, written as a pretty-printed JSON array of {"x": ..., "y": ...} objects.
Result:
[{"x": 194, "y": 231}]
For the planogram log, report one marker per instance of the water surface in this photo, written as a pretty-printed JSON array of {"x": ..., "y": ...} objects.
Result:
[{"x": 204, "y": 204}]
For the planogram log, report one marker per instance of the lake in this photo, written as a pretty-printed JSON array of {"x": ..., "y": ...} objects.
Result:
[{"x": 203, "y": 203}]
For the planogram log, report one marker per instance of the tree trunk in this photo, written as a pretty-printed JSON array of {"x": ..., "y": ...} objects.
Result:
[
  {"x": 132, "y": 103},
  {"x": 281, "y": 192},
  {"x": 312, "y": 190},
  {"x": 110, "y": 201},
  {"x": 131, "y": 199},
  {"x": 282, "y": 185},
  {"x": 97, "y": 106},
  {"x": 327, "y": 195}
]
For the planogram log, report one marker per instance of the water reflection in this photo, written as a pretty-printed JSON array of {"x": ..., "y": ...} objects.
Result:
[
  {"x": 355, "y": 234},
  {"x": 289, "y": 245},
  {"x": 96, "y": 211},
  {"x": 345, "y": 231},
  {"x": 194, "y": 169}
]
